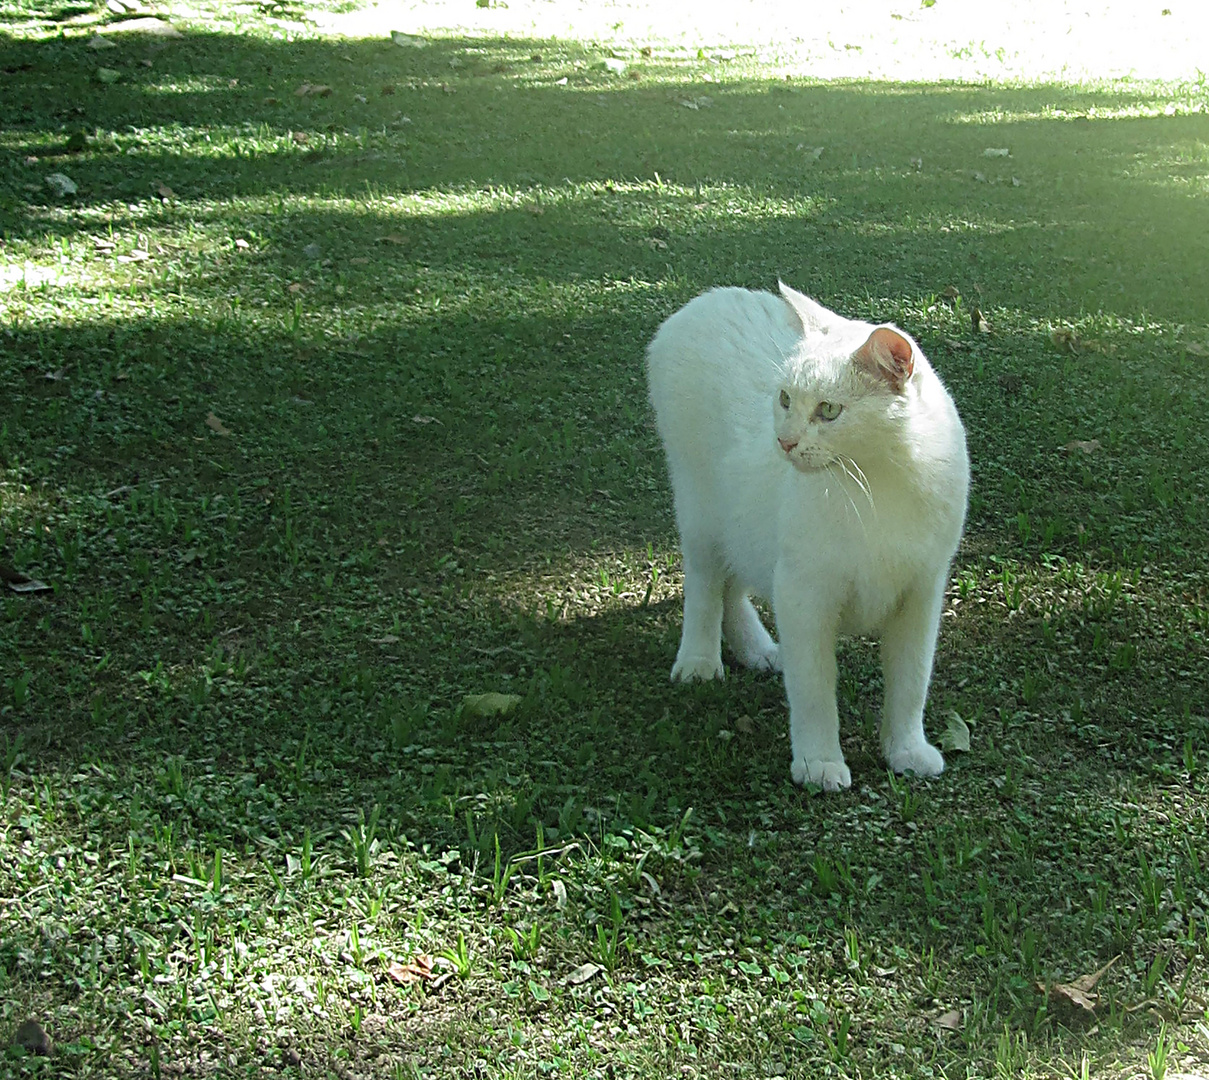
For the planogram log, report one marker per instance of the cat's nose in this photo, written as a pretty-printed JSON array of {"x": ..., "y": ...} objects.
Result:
[{"x": 787, "y": 444}]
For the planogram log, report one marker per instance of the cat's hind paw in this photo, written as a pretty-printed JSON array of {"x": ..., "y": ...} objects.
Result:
[
  {"x": 829, "y": 775},
  {"x": 768, "y": 659},
  {"x": 923, "y": 759},
  {"x": 697, "y": 668}
]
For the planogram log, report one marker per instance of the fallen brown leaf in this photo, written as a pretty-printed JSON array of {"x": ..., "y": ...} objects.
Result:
[
  {"x": 1088, "y": 446},
  {"x": 394, "y": 238},
  {"x": 978, "y": 322},
  {"x": 950, "y": 295},
  {"x": 300, "y": 137},
  {"x": 360, "y": 260},
  {"x": 19, "y": 582},
  {"x": 1079, "y": 994},
  {"x": 582, "y": 974},
  {"x": 418, "y": 969},
  {"x": 216, "y": 425},
  {"x": 32, "y": 1038},
  {"x": 1065, "y": 338},
  {"x": 950, "y": 1021},
  {"x": 1196, "y": 348},
  {"x": 165, "y": 192}
]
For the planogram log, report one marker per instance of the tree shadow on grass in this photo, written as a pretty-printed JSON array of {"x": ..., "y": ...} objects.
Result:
[{"x": 286, "y": 541}]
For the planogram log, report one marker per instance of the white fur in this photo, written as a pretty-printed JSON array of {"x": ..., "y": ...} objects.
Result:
[{"x": 851, "y": 530}]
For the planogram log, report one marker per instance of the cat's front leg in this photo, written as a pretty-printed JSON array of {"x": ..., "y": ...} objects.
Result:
[
  {"x": 806, "y": 631},
  {"x": 908, "y": 646}
]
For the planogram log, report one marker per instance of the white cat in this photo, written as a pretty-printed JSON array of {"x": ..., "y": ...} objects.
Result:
[{"x": 818, "y": 462}]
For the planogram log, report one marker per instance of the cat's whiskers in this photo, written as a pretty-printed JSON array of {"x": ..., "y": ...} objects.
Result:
[
  {"x": 838, "y": 460},
  {"x": 862, "y": 481}
]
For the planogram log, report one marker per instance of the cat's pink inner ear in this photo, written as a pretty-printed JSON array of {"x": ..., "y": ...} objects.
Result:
[{"x": 889, "y": 356}]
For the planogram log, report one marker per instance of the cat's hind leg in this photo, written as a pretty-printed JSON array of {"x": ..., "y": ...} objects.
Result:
[
  {"x": 700, "y": 654},
  {"x": 745, "y": 632}
]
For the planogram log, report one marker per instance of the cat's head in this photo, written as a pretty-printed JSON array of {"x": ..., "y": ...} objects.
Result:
[{"x": 844, "y": 390}]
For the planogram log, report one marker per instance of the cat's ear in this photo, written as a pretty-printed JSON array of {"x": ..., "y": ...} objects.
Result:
[
  {"x": 887, "y": 355},
  {"x": 813, "y": 316}
]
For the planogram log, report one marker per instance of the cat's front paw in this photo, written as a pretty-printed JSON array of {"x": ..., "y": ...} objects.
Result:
[
  {"x": 829, "y": 775},
  {"x": 923, "y": 759},
  {"x": 693, "y": 668}
]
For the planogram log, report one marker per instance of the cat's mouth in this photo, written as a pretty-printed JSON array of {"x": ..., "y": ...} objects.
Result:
[
  {"x": 806, "y": 464},
  {"x": 802, "y": 465}
]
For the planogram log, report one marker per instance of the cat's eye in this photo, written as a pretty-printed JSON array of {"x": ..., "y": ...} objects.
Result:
[
  {"x": 828, "y": 411},
  {"x": 784, "y": 399}
]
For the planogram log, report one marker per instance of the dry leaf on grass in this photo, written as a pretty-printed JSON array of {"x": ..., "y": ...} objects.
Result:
[
  {"x": 950, "y": 1021},
  {"x": 956, "y": 735},
  {"x": 1079, "y": 994},
  {"x": 165, "y": 192},
  {"x": 19, "y": 582},
  {"x": 313, "y": 90},
  {"x": 582, "y": 974},
  {"x": 148, "y": 25},
  {"x": 32, "y": 1038},
  {"x": 490, "y": 704},
  {"x": 216, "y": 425},
  {"x": 61, "y": 184},
  {"x": 418, "y": 969},
  {"x": 398, "y": 239},
  {"x": 1087, "y": 446},
  {"x": 978, "y": 322},
  {"x": 242, "y": 244},
  {"x": 744, "y": 725}
]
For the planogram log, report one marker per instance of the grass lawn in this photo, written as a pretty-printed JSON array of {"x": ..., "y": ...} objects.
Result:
[{"x": 323, "y": 408}]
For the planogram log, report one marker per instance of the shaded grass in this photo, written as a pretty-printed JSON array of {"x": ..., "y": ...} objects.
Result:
[{"x": 438, "y": 477}]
